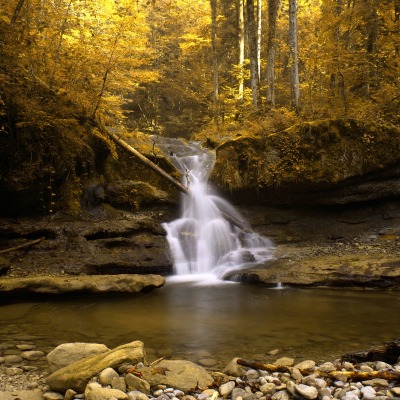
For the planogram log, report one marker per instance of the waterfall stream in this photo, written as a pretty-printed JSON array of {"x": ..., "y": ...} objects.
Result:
[{"x": 204, "y": 245}]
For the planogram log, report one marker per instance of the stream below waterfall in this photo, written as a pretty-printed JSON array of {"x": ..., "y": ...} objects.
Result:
[{"x": 184, "y": 320}]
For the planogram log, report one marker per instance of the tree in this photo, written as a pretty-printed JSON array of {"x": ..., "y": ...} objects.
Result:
[
  {"x": 214, "y": 60},
  {"x": 252, "y": 43},
  {"x": 273, "y": 6},
  {"x": 241, "y": 45},
  {"x": 293, "y": 52}
]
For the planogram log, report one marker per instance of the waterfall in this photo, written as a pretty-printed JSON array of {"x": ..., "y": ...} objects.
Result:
[{"x": 201, "y": 240}]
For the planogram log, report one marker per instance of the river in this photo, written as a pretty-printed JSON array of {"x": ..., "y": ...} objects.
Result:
[{"x": 185, "y": 320}]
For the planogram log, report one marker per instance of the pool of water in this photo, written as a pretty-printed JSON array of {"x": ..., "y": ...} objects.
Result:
[{"x": 227, "y": 320}]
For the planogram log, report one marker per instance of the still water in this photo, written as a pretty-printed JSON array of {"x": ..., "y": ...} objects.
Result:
[{"x": 227, "y": 320}]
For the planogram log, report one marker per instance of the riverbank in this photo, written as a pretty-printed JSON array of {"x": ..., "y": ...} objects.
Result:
[{"x": 92, "y": 371}]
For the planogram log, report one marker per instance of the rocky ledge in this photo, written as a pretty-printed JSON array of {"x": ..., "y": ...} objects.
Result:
[
  {"x": 85, "y": 284},
  {"x": 91, "y": 371}
]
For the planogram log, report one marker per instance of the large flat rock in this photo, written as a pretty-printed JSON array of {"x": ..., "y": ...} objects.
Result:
[
  {"x": 86, "y": 284},
  {"x": 348, "y": 270}
]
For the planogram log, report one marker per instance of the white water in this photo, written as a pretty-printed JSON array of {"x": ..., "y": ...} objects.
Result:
[{"x": 204, "y": 245}]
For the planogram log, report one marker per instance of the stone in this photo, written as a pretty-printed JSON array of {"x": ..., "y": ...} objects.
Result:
[
  {"x": 12, "y": 371},
  {"x": 368, "y": 393},
  {"x": 380, "y": 365},
  {"x": 53, "y": 396},
  {"x": 281, "y": 395},
  {"x": 239, "y": 393},
  {"x": 252, "y": 374},
  {"x": 284, "y": 362},
  {"x": 68, "y": 353},
  {"x": 309, "y": 392},
  {"x": 268, "y": 388},
  {"x": 106, "y": 376},
  {"x": 70, "y": 394},
  {"x": 207, "y": 362},
  {"x": 296, "y": 374},
  {"x": 32, "y": 355},
  {"x": 135, "y": 383},
  {"x": 93, "y": 392},
  {"x": 234, "y": 369},
  {"x": 12, "y": 359},
  {"x": 376, "y": 382},
  {"x": 226, "y": 388},
  {"x": 327, "y": 367},
  {"x": 179, "y": 374},
  {"x": 118, "y": 383},
  {"x": 24, "y": 347},
  {"x": 395, "y": 391},
  {"x": 136, "y": 395},
  {"x": 76, "y": 375},
  {"x": 306, "y": 365}
]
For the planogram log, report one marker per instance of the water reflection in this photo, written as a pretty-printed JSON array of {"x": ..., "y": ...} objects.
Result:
[{"x": 227, "y": 320}]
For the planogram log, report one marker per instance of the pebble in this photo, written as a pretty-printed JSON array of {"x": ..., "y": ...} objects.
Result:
[
  {"x": 308, "y": 392},
  {"x": 32, "y": 355}
]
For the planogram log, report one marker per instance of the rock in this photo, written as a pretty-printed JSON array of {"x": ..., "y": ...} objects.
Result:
[
  {"x": 24, "y": 347},
  {"x": 107, "y": 375},
  {"x": 376, "y": 382},
  {"x": 32, "y": 355},
  {"x": 68, "y": 353},
  {"x": 327, "y": 367},
  {"x": 183, "y": 375},
  {"x": 281, "y": 395},
  {"x": 36, "y": 394},
  {"x": 207, "y": 362},
  {"x": 135, "y": 383},
  {"x": 70, "y": 394},
  {"x": 118, "y": 383},
  {"x": 12, "y": 371},
  {"x": 53, "y": 396},
  {"x": 239, "y": 393},
  {"x": 96, "y": 392},
  {"x": 124, "y": 283},
  {"x": 395, "y": 391},
  {"x": 268, "y": 388},
  {"x": 308, "y": 392},
  {"x": 368, "y": 393},
  {"x": 76, "y": 375},
  {"x": 226, "y": 388},
  {"x": 136, "y": 395},
  {"x": 284, "y": 362},
  {"x": 252, "y": 374},
  {"x": 12, "y": 359},
  {"x": 234, "y": 369},
  {"x": 306, "y": 365}
]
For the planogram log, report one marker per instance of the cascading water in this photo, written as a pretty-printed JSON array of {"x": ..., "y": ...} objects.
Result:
[{"x": 202, "y": 241}]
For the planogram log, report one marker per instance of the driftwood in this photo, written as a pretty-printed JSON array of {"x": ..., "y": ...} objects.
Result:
[
  {"x": 349, "y": 375},
  {"x": 21, "y": 246},
  {"x": 388, "y": 352},
  {"x": 234, "y": 221}
]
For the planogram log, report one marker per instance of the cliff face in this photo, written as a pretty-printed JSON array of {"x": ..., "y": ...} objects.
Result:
[{"x": 323, "y": 162}]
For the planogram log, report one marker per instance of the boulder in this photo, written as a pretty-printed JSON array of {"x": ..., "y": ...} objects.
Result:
[
  {"x": 76, "y": 375},
  {"x": 182, "y": 375},
  {"x": 68, "y": 353},
  {"x": 123, "y": 283}
]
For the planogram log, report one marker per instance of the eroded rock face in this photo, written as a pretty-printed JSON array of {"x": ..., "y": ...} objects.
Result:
[
  {"x": 322, "y": 162},
  {"x": 86, "y": 284}
]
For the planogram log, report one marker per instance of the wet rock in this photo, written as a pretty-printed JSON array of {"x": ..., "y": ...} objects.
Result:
[
  {"x": 88, "y": 284},
  {"x": 308, "y": 392},
  {"x": 183, "y": 375},
  {"x": 284, "y": 362},
  {"x": 106, "y": 376},
  {"x": 135, "y": 383},
  {"x": 76, "y": 375},
  {"x": 68, "y": 353},
  {"x": 32, "y": 355},
  {"x": 234, "y": 369}
]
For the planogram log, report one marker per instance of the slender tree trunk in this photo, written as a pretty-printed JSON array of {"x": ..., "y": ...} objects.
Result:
[
  {"x": 240, "y": 7},
  {"x": 371, "y": 46},
  {"x": 252, "y": 42},
  {"x": 214, "y": 60},
  {"x": 259, "y": 32},
  {"x": 294, "y": 63},
  {"x": 62, "y": 30},
  {"x": 109, "y": 67},
  {"x": 273, "y": 6},
  {"x": 17, "y": 11}
]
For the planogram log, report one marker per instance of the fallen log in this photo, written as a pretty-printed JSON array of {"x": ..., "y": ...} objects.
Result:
[
  {"x": 21, "y": 246},
  {"x": 389, "y": 375},
  {"x": 388, "y": 352},
  {"x": 234, "y": 221}
]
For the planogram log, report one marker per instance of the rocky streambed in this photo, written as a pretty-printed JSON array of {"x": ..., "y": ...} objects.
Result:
[{"x": 91, "y": 371}]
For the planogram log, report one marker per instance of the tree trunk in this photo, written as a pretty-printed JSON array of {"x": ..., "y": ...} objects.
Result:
[
  {"x": 240, "y": 8},
  {"x": 273, "y": 6},
  {"x": 17, "y": 11},
  {"x": 294, "y": 62},
  {"x": 259, "y": 32},
  {"x": 252, "y": 42},
  {"x": 214, "y": 60}
]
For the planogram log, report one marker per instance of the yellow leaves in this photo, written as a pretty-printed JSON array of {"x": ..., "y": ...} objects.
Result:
[{"x": 191, "y": 41}]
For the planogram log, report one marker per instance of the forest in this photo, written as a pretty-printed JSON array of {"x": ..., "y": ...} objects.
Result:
[{"x": 180, "y": 68}]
